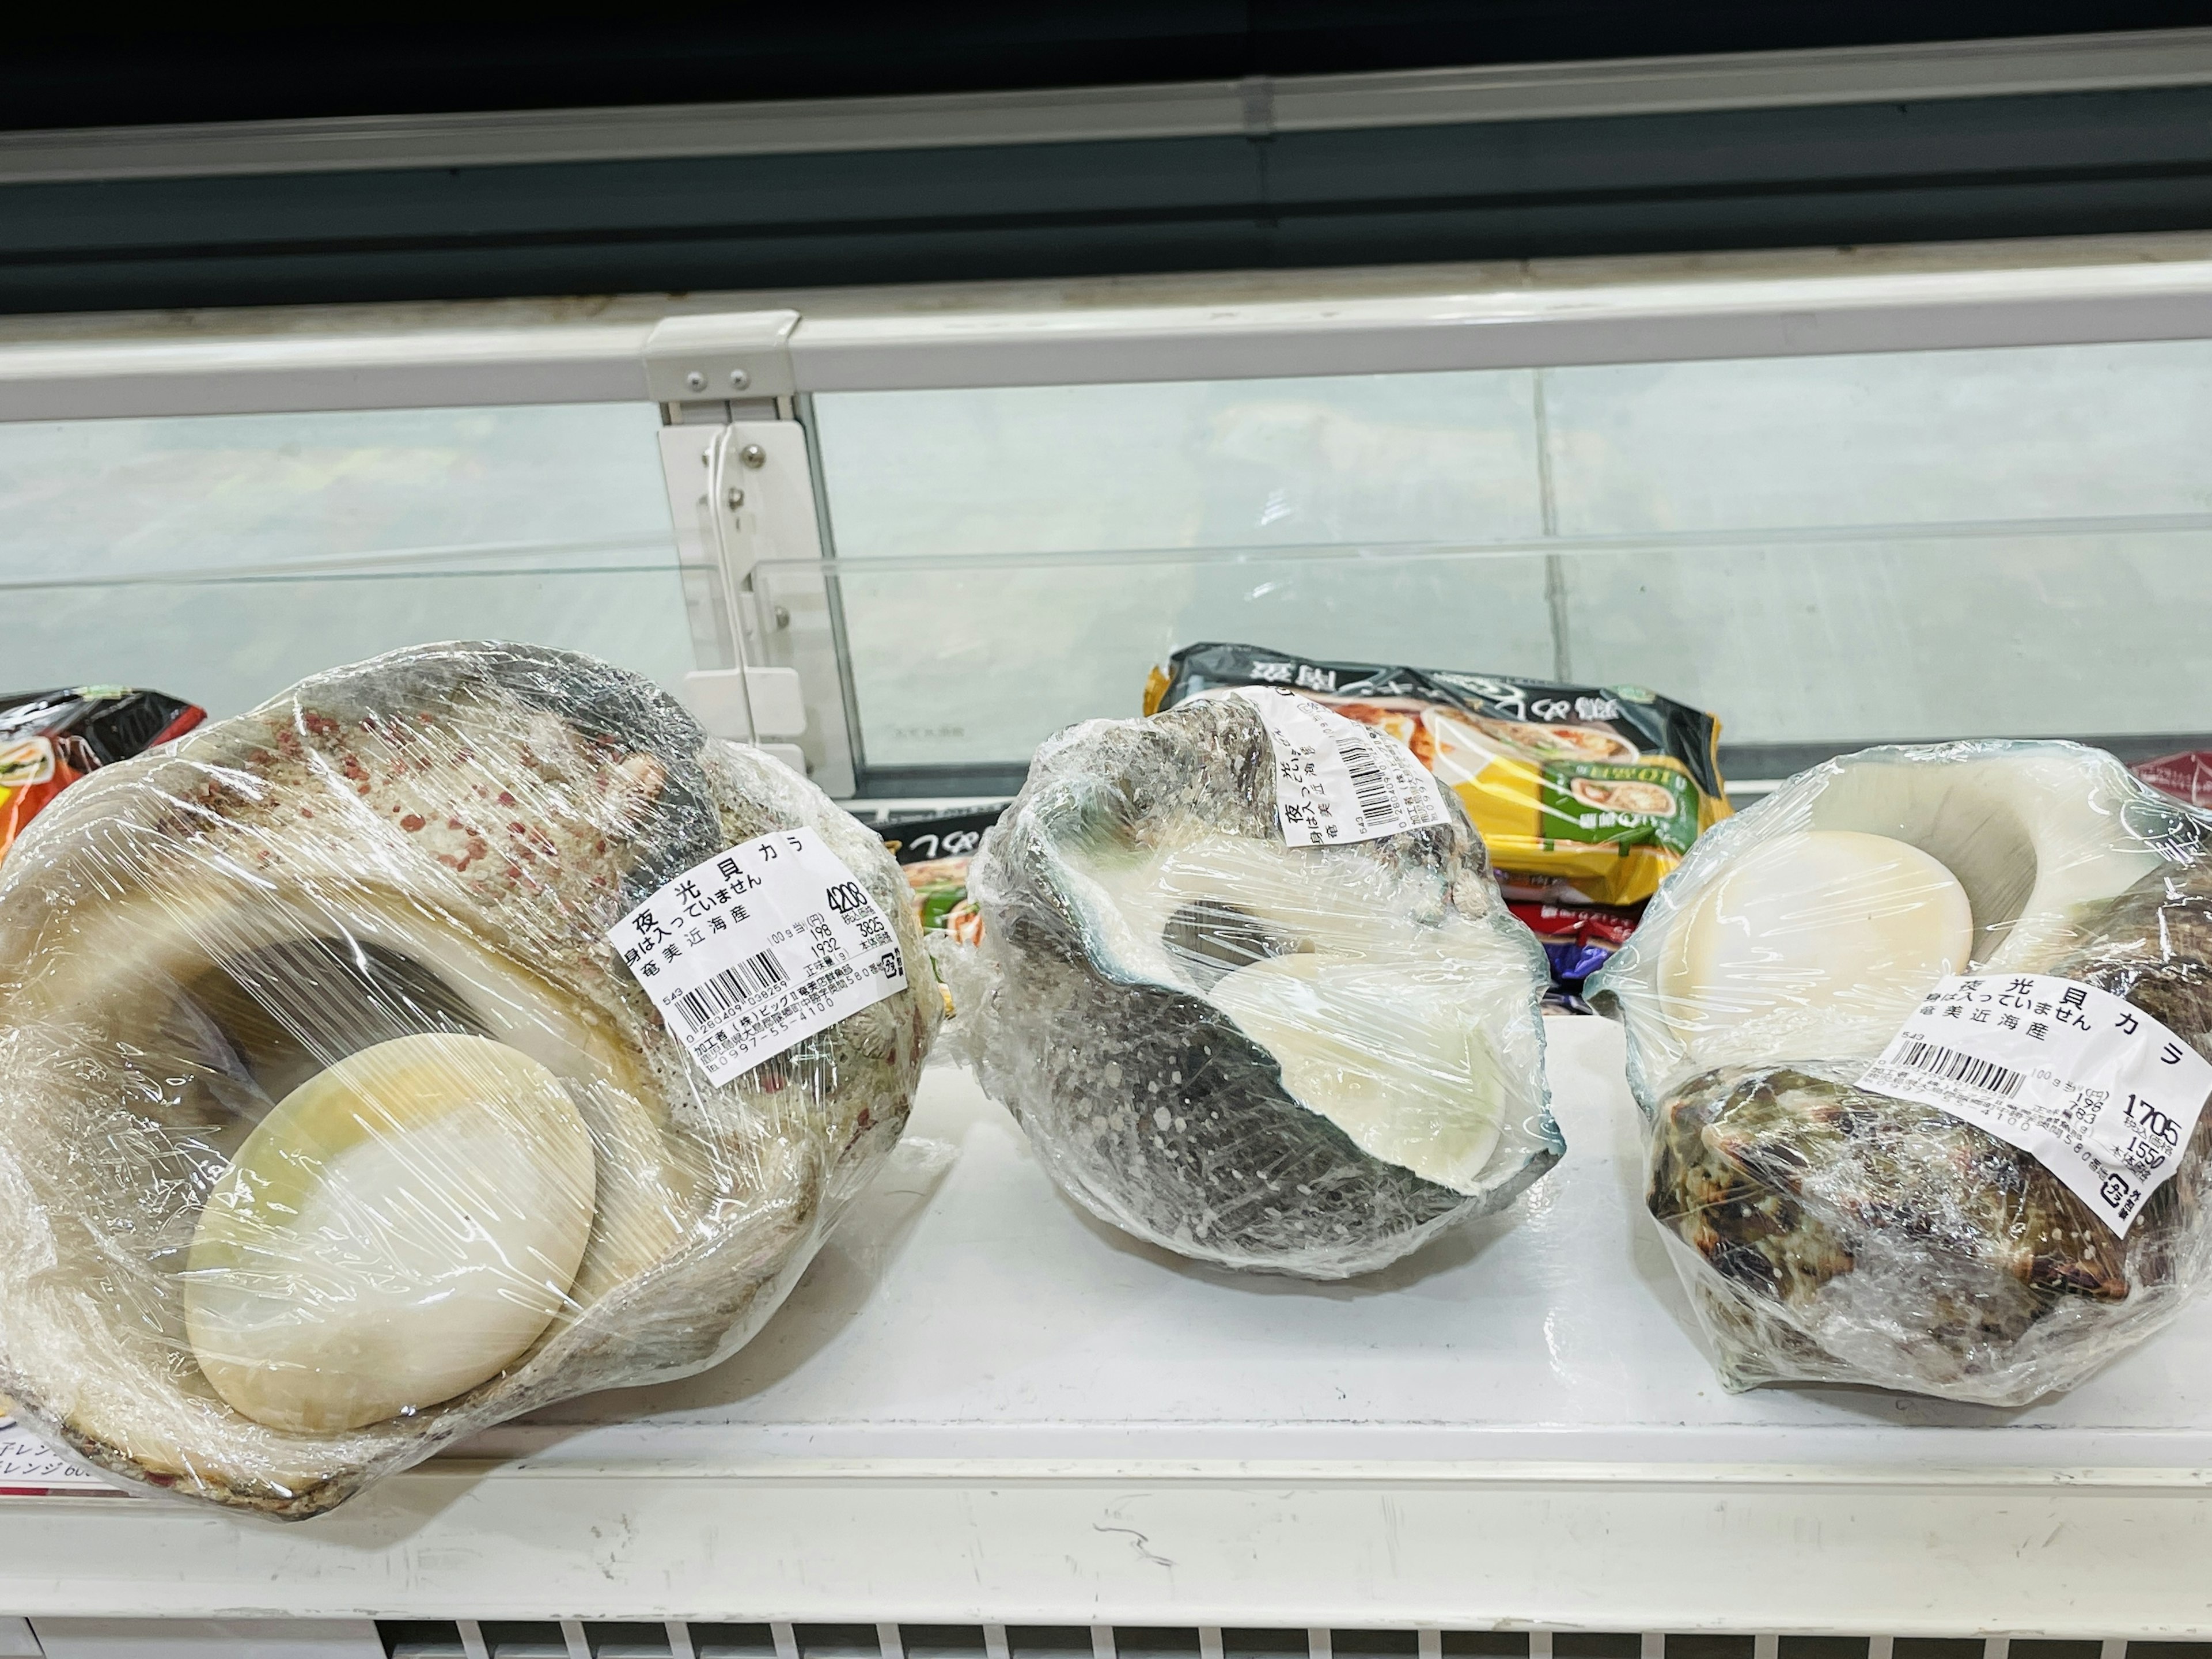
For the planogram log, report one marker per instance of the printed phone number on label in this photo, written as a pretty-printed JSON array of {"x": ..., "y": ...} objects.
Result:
[{"x": 746, "y": 1028}]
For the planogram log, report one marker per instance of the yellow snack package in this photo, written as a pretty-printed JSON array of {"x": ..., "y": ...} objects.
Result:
[{"x": 1584, "y": 794}]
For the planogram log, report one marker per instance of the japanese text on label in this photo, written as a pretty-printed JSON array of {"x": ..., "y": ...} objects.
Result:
[
  {"x": 758, "y": 948},
  {"x": 28, "y": 1464},
  {"x": 2095, "y": 1090},
  {"x": 1337, "y": 780}
]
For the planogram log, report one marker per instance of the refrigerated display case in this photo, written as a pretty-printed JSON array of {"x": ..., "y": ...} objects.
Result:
[{"x": 901, "y": 536}]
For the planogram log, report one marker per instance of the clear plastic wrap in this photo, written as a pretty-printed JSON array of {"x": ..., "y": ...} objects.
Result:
[
  {"x": 333, "y": 1128},
  {"x": 1298, "y": 1059},
  {"x": 1852, "y": 1019}
]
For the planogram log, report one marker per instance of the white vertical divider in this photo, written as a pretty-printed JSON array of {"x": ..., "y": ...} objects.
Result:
[
  {"x": 787, "y": 1640},
  {"x": 473, "y": 1645},
  {"x": 1765, "y": 1647},
  {"x": 1102, "y": 1642},
  {"x": 890, "y": 1642},
  {"x": 572, "y": 1633},
  {"x": 994, "y": 1642},
  {"x": 1880, "y": 1647},
  {"x": 1209, "y": 1642},
  {"x": 1432, "y": 1644},
  {"x": 741, "y": 499},
  {"x": 679, "y": 1640},
  {"x": 1652, "y": 1645},
  {"x": 1318, "y": 1641},
  {"x": 1539, "y": 1644}
]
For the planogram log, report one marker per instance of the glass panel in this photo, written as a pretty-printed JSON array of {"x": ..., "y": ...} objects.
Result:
[
  {"x": 1925, "y": 437},
  {"x": 1826, "y": 552},
  {"x": 1803, "y": 648},
  {"x": 1393, "y": 457},
  {"x": 220, "y": 558},
  {"x": 961, "y": 662}
]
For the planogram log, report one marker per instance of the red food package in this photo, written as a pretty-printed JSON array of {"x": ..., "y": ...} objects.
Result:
[
  {"x": 2187, "y": 776},
  {"x": 49, "y": 739},
  {"x": 1593, "y": 924}
]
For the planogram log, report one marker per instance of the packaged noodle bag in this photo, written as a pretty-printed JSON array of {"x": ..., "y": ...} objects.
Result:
[
  {"x": 933, "y": 854},
  {"x": 49, "y": 739},
  {"x": 1583, "y": 794}
]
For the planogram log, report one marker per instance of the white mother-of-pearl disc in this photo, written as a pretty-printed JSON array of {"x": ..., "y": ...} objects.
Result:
[
  {"x": 1823, "y": 921},
  {"x": 401, "y": 1227},
  {"x": 1394, "y": 1055}
]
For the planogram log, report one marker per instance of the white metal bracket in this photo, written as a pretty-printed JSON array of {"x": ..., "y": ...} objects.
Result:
[
  {"x": 720, "y": 357},
  {"x": 741, "y": 494}
]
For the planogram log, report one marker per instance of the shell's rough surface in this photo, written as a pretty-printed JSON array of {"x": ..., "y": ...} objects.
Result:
[
  {"x": 1825, "y": 1232},
  {"x": 1137, "y": 891},
  {"x": 435, "y": 841}
]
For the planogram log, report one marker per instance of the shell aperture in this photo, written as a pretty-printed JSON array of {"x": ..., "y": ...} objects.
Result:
[
  {"x": 289, "y": 1008},
  {"x": 1359, "y": 979},
  {"x": 1304, "y": 1060},
  {"x": 400, "y": 1229}
]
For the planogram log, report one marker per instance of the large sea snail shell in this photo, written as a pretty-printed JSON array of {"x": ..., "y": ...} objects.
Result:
[{"x": 399, "y": 1229}]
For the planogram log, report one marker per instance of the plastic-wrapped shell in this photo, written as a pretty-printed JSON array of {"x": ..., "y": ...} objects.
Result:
[
  {"x": 398, "y": 878},
  {"x": 1305, "y": 1060},
  {"x": 1827, "y": 1232}
]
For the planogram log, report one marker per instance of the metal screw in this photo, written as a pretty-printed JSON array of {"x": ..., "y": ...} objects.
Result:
[
  {"x": 740, "y": 379},
  {"x": 783, "y": 615},
  {"x": 696, "y": 380},
  {"x": 753, "y": 455},
  {"x": 737, "y": 496}
]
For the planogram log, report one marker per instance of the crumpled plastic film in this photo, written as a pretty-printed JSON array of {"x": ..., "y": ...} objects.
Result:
[
  {"x": 1304, "y": 1060},
  {"x": 1829, "y": 1230},
  {"x": 331, "y": 1126}
]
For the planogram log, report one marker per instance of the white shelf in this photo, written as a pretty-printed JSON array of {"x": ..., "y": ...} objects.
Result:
[{"x": 982, "y": 1406}]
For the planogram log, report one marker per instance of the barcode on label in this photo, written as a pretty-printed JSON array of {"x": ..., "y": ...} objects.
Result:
[
  {"x": 1376, "y": 803},
  {"x": 723, "y": 993},
  {"x": 1954, "y": 1067}
]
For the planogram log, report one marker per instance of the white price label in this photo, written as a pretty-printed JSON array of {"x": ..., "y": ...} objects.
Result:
[
  {"x": 758, "y": 948},
  {"x": 28, "y": 1465},
  {"x": 1337, "y": 780},
  {"x": 2086, "y": 1083}
]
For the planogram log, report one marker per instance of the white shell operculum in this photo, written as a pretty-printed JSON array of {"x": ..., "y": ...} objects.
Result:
[
  {"x": 1394, "y": 1055},
  {"x": 399, "y": 1229},
  {"x": 1829, "y": 925},
  {"x": 1390, "y": 1013},
  {"x": 1858, "y": 885}
]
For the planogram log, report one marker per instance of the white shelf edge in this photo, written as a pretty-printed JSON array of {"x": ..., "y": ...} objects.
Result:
[{"x": 1817, "y": 1554}]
